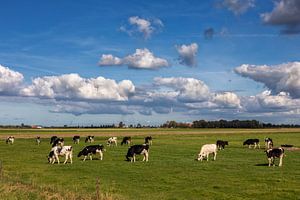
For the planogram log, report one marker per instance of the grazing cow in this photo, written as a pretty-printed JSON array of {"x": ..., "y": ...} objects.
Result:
[
  {"x": 112, "y": 141},
  {"x": 76, "y": 139},
  {"x": 38, "y": 140},
  {"x": 206, "y": 150},
  {"x": 275, "y": 153},
  {"x": 148, "y": 140},
  {"x": 221, "y": 144},
  {"x": 268, "y": 143},
  {"x": 92, "y": 149},
  {"x": 126, "y": 140},
  {"x": 52, "y": 139},
  {"x": 250, "y": 142},
  {"x": 142, "y": 149},
  {"x": 57, "y": 151},
  {"x": 58, "y": 142},
  {"x": 89, "y": 139},
  {"x": 10, "y": 140}
]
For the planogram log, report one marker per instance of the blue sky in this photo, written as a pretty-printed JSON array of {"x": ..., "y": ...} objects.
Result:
[{"x": 155, "y": 60}]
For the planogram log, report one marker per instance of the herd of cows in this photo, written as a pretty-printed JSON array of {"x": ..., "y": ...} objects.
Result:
[{"x": 59, "y": 149}]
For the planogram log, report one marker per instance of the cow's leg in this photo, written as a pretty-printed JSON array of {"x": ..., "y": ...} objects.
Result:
[
  {"x": 56, "y": 157},
  {"x": 147, "y": 156},
  {"x": 270, "y": 161},
  {"x": 215, "y": 155},
  {"x": 84, "y": 158},
  {"x": 249, "y": 146},
  {"x": 101, "y": 155},
  {"x": 66, "y": 158},
  {"x": 207, "y": 155},
  {"x": 280, "y": 160},
  {"x": 133, "y": 157},
  {"x": 258, "y": 145},
  {"x": 91, "y": 158},
  {"x": 254, "y": 145}
]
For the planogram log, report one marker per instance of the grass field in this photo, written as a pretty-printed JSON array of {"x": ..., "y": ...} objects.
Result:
[{"x": 171, "y": 173}]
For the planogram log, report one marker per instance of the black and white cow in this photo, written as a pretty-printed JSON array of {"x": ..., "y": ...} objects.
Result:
[
  {"x": 221, "y": 144},
  {"x": 58, "y": 142},
  {"x": 268, "y": 143},
  {"x": 148, "y": 140},
  {"x": 10, "y": 140},
  {"x": 112, "y": 141},
  {"x": 76, "y": 139},
  {"x": 57, "y": 151},
  {"x": 38, "y": 140},
  {"x": 206, "y": 150},
  {"x": 126, "y": 140},
  {"x": 275, "y": 153},
  {"x": 89, "y": 139},
  {"x": 90, "y": 150},
  {"x": 142, "y": 149},
  {"x": 251, "y": 142},
  {"x": 52, "y": 139}
]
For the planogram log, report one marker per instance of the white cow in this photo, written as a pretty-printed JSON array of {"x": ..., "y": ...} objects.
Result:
[
  {"x": 10, "y": 140},
  {"x": 206, "y": 150},
  {"x": 112, "y": 141},
  {"x": 56, "y": 151}
]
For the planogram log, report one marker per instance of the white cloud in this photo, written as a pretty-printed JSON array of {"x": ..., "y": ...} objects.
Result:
[
  {"x": 141, "y": 59},
  {"x": 109, "y": 60},
  {"x": 74, "y": 87},
  {"x": 238, "y": 6},
  {"x": 280, "y": 78},
  {"x": 285, "y": 13},
  {"x": 227, "y": 99},
  {"x": 189, "y": 89},
  {"x": 188, "y": 54},
  {"x": 10, "y": 81},
  {"x": 146, "y": 27}
]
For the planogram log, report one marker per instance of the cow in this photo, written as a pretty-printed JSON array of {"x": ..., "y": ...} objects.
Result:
[
  {"x": 268, "y": 143},
  {"x": 89, "y": 139},
  {"x": 112, "y": 141},
  {"x": 52, "y": 139},
  {"x": 10, "y": 140},
  {"x": 221, "y": 144},
  {"x": 275, "y": 153},
  {"x": 126, "y": 140},
  {"x": 57, "y": 151},
  {"x": 38, "y": 140},
  {"x": 250, "y": 142},
  {"x": 148, "y": 140},
  {"x": 142, "y": 149},
  {"x": 206, "y": 150},
  {"x": 92, "y": 149},
  {"x": 58, "y": 142},
  {"x": 76, "y": 139}
]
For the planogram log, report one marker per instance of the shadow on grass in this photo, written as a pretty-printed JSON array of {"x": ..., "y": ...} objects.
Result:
[{"x": 263, "y": 164}]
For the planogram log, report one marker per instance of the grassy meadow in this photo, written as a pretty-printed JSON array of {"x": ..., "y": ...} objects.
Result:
[{"x": 171, "y": 173}]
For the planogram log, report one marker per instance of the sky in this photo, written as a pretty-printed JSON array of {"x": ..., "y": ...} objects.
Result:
[{"x": 102, "y": 62}]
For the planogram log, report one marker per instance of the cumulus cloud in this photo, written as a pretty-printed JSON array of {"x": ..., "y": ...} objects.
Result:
[
  {"x": 266, "y": 102},
  {"x": 74, "y": 87},
  {"x": 285, "y": 13},
  {"x": 10, "y": 81},
  {"x": 141, "y": 59},
  {"x": 189, "y": 89},
  {"x": 238, "y": 7},
  {"x": 227, "y": 100},
  {"x": 188, "y": 54},
  {"x": 146, "y": 27},
  {"x": 280, "y": 78}
]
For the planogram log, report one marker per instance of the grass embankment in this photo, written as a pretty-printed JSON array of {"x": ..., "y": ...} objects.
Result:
[{"x": 171, "y": 173}]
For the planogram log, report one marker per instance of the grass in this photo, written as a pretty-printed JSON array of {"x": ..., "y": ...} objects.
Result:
[{"x": 171, "y": 173}]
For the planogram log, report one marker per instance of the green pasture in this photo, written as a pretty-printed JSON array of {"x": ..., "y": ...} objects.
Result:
[{"x": 171, "y": 173}]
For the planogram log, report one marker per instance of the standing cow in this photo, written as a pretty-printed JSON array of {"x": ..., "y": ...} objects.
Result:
[
  {"x": 10, "y": 140},
  {"x": 252, "y": 142},
  {"x": 268, "y": 143},
  {"x": 126, "y": 140},
  {"x": 275, "y": 153},
  {"x": 142, "y": 149},
  {"x": 206, "y": 150}
]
